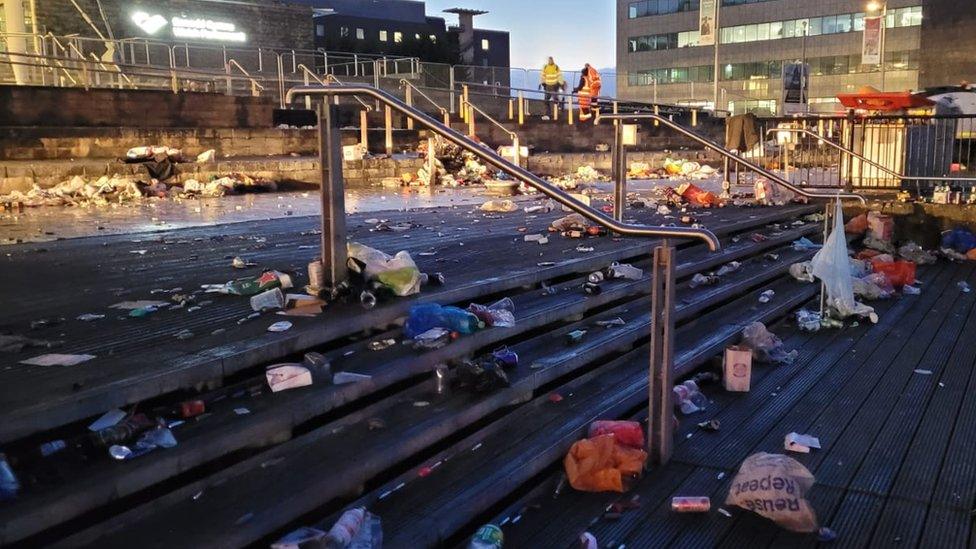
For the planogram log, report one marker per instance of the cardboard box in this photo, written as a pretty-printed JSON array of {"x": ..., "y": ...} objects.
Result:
[
  {"x": 737, "y": 369},
  {"x": 351, "y": 153}
]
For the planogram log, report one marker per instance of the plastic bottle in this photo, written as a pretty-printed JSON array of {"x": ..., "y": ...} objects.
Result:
[
  {"x": 123, "y": 431},
  {"x": 623, "y": 270},
  {"x": 52, "y": 447},
  {"x": 488, "y": 536},
  {"x": 346, "y": 528},
  {"x": 9, "y": 485}
]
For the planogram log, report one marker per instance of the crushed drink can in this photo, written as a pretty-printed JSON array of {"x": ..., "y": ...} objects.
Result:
[
  {"x": 696, "y": 504},
  {"x": 595, "y": 277},
  {"x": 441, "y": 382},
  {"x": 192, "y": 408}
]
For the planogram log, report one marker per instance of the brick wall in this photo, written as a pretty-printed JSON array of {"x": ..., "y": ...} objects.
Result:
[{"x": 59, "y": 107}]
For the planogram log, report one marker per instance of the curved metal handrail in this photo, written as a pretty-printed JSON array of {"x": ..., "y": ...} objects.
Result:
[
  {"x": 406, "y": 83},
  {"x": 708, "y": 143},
  {"x": 511, "y": 135},
  {"x": 254, "y": 83},
  {"x": 332, "y": 77},
  {"x": 868, "y": 161},
  {"x": 517, "y": 172}
]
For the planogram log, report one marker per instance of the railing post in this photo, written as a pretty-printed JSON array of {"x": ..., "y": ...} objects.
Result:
[
  {"x": 516, "y": 152},
  {"x": 694, "y": 118},
  {"x": 660, "y": 409},
  {"x": 616, "y": 109},
  {"x": 388, "y": 121},
  {"x": 569, "y": 109},
  {"x": 619, "y": 163},
  {"x": 521, "y": 109},
  {"x": 409, "y": 94},
  {"x": 333, "y": 198},
  {"x": 511, "y": 109},
  {"x": 364, "y": 129},
  {"x": 464, "y": 101},
  {"x": 450, "y": 76},
  {"x": 230, "y": 83},
  {"x": 555, "y": 110},
  {"x": 471, "y": 126},
  {"x": 447, "y": 118}
]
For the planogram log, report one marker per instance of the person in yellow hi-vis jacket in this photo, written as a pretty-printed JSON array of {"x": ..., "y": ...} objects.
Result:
[{"x": 552, "y": 82}]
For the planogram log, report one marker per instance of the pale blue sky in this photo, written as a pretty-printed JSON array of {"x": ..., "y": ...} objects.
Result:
[{"x": 572, "y": 31}]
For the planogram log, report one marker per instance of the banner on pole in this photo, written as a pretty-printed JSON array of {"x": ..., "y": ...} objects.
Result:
[
  {"x": 796, "y": 88},
  {"x": 706, "y": 23},
  {"x": 871, "y": 47}
]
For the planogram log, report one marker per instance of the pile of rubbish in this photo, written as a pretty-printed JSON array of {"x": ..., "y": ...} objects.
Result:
[
  {"x": 118, "y": 189},
  {"x": 610, "y": 459},
  {"x": 583, "y": 174},
  {"x": 671, "y": 169}
]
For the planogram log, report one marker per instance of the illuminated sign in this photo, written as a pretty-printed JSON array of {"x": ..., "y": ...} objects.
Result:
[{"x": 197, "y": 28}]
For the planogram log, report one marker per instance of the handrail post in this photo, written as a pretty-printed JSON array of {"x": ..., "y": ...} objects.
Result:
[
  {"x": 364, "y": 129},
  {"x": 450, "y": 77},
  {"x": 521, "y": 109},
  {"x": 388, "y": 122},
  {"x": 616, "y": 110},
  {"x": 694, "y": 118},
  {"x": 333, "y": 198},
  {"x": 619, "y": 163},
  {"x": 471, "y": 124},
  {"x": 409, "y": 97},
  {"x": 516, "y": 150},
  {"x": 569, "y": 109},
  {"x": 511, "y": 109},
  {"x": 660, "y": 373},
  {"x": 447, "y": 118},
  {"x": 465, "y": 101},
  {"x": 230, "y": 83}
]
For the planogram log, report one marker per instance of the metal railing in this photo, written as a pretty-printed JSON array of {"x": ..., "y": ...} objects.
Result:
[
  {"x": 823, "y": 140},
  {"x": 256, "y": 87},
  {"x": 660, "y": 370},
  {"x": 730, "y": 157},
  {"x": 470, "y": 110},
  {"x": 410, "y": 89}
]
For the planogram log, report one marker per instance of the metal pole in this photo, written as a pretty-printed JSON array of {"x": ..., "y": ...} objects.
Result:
[
  {"x": 660, "y": 409},
  {"x": 450, "y": 75},
  {"x": 388, "y": 120},
  {"x": 718, "y": 38},
  {"x": 409, "y": 98},
  {"x": 333, "y": 199},
  {"x": 619, "y": 172},
  {"x": 521, "y": 109},
  {"x": 884, "y": 39},
  {"x": 364, "y": 129}
]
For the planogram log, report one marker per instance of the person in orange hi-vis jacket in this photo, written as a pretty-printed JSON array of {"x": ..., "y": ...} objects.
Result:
[{"x": 588, "y": 91}]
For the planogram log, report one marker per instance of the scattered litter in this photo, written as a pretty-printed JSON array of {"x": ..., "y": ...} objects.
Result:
[
  {"x": 381, "y": 344},
  {"x": 796, "y": 442},
  {"x": 555, "y": 397},
  {"x": 774, "y": 486},
  {"x": 132, "y": 305},
  {"x": 183, "y": 334},
  {"x": 421, "y": 404},
  {"x": 271, "y": 299},
  {"x": 541, "y": 239},
  {"x": 767, "y": 296},
  {"x": 964, "y": 287},
  {"x": 683, "y": 504},
  {"x": 503, "y": 206},
  {"x": 612, "y": 323},
  {"x": 922, "y": 372},
  {"x": 584, "y": 249},
  {"x": 240, "y": 263},
  {"x": 488, "y": 536},
  {"x": 689, "y": 398},
  {"x": 711, "y": 426},
  {"x": 302, "y": 537},
  {"x": 241, "y": 411},
  {"x": 826, "y": 535},
  {"x": 703, "y": 280},
  {"x": 88, "y": 317},
  {"x": 56, "y": 359},
  {"x": 282, "y": 326},
  {"x": 804, "y": 244},
  {"x": 911, "y": 290},
  {"x": 808, "y": 321},
  {"x": 802, "y": 271},
  {"x": 724, "y": 513},
  {"x": 729, "y": 268},
  {"x": 766, "y": 347},
  {"x": 108, "y": 419},
  {"x": 603, "y": 463},
  {"x": 344, "y": 378},
  {"x": 737, "y": 369}
]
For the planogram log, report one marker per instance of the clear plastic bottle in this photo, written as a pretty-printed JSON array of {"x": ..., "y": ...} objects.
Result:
[
  {"x": 9, "y": 485},
  {"x": 488, "y": 536}
]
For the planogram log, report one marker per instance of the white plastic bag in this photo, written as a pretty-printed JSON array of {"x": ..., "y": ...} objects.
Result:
[
  {"x": 399, "y": 273},
  {"x": 833, "y": 267}
]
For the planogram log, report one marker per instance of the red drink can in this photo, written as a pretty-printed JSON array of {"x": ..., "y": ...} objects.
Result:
[{"x": 691, "y": 504}]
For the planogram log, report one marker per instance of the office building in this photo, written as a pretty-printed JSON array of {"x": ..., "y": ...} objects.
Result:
[{"x": 927, "y": 43}]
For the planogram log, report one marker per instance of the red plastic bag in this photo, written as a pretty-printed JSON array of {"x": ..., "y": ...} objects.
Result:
[
  {"x": 696, "y": 196},
  {"x": 858, "y": 225},
  {"x": 628, "y": 433},
  {"x": 899, "y": 273}
]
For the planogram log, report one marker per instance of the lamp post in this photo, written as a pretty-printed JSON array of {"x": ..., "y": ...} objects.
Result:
[{"x": 881, "y": 7}]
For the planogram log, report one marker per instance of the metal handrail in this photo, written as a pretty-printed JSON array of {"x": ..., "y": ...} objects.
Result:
[
  {"x": 517, "y": 172},
  {"x": 333, "y": 78},
  {"x": 512, "y": 135},
  {"x": 407, "y": 83},
  {"x": 708, "y": 143},
  {"x": 256, "y": 87},
  {"x": 308, "y": 72},
  {"x": 117, "y": 70},
  {"x": 866, "y": 160}
]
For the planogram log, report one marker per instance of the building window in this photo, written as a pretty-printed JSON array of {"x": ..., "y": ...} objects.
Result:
[
  {"x": 484, "y": 44},
  {"x": 416, "y": 36},
  {"x": 319, "y": 30},
  {"x": 816, "y": 26},
  {"x": 360, "y": 34},
  {"x": 398, "y": 37},
  {"x": 433, "y": 38},
  {"x": 384, "y": 37},
  {"x": 343, "y": 31}
]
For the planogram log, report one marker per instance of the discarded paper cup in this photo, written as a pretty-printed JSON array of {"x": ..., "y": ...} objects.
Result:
[
  {"x": 272, "y": 299},
  {"x": 316, "y": 275}
]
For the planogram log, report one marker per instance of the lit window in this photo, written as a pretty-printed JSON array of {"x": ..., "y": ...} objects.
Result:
[
  {"x": 343, "y": 31},
  {"x": 360, "y": 34},
  {"x": 398, "y": 37},
  {"x": 416, "y": 36},
  {"x": 319, "y": 30},
  {"x": 384, "y": 36},
  {"x": 433, "y": 38},
  {"x": 484, "y": 44}
]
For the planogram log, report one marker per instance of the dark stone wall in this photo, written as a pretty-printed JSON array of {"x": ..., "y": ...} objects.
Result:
[
  {"x": 948, "y": 42},
  {"x": 56, "y": 107},
  {"x": 267, "y": 24}
]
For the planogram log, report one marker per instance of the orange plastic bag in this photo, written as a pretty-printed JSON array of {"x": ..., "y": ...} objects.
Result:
[
  {"x": 899, "y": 273},
  {"x": 858, "y": 225},
  {"x": 971, "y": 254},
  {"x": 600, "y": 464}
]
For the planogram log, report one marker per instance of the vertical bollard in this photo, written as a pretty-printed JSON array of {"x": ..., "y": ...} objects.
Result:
[
  {"x": 660, "y": 408},
  {"x": 333, "y": 199}
]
